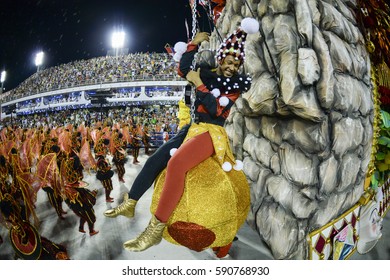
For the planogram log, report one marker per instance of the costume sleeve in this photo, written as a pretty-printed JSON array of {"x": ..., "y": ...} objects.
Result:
[
  {"x": 212, "y": 104},
  {"x": 186, "y": 60}
]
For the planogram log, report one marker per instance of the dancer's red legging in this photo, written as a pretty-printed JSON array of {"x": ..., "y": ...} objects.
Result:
[{"x": 189, "y": 155}]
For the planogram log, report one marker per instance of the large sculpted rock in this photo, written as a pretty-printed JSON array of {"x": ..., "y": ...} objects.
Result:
[{"x": 304, "y": 129}]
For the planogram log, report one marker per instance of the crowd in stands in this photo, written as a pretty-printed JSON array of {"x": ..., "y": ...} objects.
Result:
[
  {"x": 157, "y": 118},
  {"x": 131, "y": 67}
]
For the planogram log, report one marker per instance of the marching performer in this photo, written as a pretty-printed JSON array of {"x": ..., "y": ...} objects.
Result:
[
  {"x": 104, "y": 172},
  {"x": 119, "y": 155}
]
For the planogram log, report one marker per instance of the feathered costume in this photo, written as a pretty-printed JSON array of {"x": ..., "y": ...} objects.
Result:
[
  {"x": 119, "y": 155},
  {"x": 104, "y": 172},
  {"x": 77, "y": 196}
]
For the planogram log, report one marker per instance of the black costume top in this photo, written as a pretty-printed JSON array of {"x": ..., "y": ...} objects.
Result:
[{"x": 208, "y": 108}]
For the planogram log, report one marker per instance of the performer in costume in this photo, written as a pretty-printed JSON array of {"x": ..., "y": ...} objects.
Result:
[
  {"x": 119, "y": 155},
  {"x": 47, "y": 144},
  {"x": 4, "y": 177},
  {"x": 216, "y": 92},
  {"x": 76, "y": 141},
  {"x": 79, "y": 199},
  {"x": 136, "y": 142},
  {"x": 25, "y": 239},
  {"x": 21, "y": 187},
  {"x": 53, "y": 190},
  {"x": 104, "y": 172},
  {"x": 146, "y": 138}
]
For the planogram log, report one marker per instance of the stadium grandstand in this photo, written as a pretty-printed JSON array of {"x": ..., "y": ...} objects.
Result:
[
  {"x": 139, "y": 88},
  {"x": 133, "y": 79}
]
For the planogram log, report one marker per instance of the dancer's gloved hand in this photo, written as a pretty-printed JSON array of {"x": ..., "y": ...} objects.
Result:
[
  {"x": 194, "y": 78},
  {"x": 200, "y": 37}
]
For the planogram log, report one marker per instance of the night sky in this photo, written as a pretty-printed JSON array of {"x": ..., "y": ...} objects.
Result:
[{"x": 68, "y": 30}]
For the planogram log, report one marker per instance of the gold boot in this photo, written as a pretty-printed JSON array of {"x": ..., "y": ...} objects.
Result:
[
  {"x": 126, "y": 208},
  {"x": 152, "y": 235}
]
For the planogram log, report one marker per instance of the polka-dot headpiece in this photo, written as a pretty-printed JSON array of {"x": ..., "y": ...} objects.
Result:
[{"x": 234, "y": 44}]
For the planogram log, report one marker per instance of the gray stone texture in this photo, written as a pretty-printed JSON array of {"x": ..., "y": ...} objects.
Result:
[{"x": 304, "y": 129}]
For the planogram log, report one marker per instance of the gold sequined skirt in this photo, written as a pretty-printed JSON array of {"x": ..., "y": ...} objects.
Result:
[{"x": 214, "y": 204}]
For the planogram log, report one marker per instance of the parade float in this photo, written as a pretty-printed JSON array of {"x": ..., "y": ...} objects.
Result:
[{"x": 313, "y": 131}]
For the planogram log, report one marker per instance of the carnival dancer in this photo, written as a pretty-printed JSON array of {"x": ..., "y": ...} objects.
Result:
[
  {"x": 76, "y": 141},
  {"x": 136, "y": 142},
  {"x": 4, "y": 176},
  {"x": 146, "y": 138},
  {"x": 21, "y": 188},
  {"x": 104, "y": 172},
  {"x": 216, "y": 92},
  {"x": 26, "y": 241},
  {"x": 4, "y": 181},
  {"x": 119, "y": 155},
  {"x": 77, "y": 196},
  {"x": 53, "y": 186}
]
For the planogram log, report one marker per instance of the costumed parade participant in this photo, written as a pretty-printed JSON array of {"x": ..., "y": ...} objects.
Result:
[
  {"x": 24, "y": 186},
  {"x": 205, "y": 148},
  {"x": 146, "y": 138},
  {"x": 53, "y": 187},
  {"x": 25, "y": 239},
  {"x": 76, "y": 141},
  {"x": 4, "y": 176},
  {"x": 119, "y": 155},
  {"x": 104, "y": 172},
  {"x": 136, "y": 139},
  {"x": 79, "y": 199},
  {"x": 17, "y": 205}
]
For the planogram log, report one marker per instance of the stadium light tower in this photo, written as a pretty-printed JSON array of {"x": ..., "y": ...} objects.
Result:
[
  {"x": 38, "y": 60},
  {"x": 3, "y": 73},
  {"x": 118, "y": 41}
]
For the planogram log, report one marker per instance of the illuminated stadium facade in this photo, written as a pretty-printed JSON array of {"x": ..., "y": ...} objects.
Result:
[{"x": 135, "y": 90}]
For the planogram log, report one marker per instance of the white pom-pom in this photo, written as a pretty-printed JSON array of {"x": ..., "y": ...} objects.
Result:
[
  {"x": 226, "y": 166},
  {"x": 239, "y": 165},
  {"x": 180, "y": 47},
  {"x": 223, "y": 101},
  {"x": 216, "y": 92},
  {"x": 250, "y": 25},
  {"x": 177, "y": 57},
  {"x": 172, "y": 151}
]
